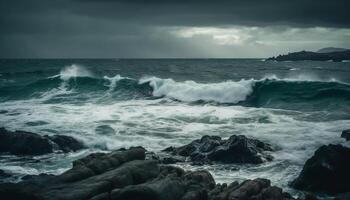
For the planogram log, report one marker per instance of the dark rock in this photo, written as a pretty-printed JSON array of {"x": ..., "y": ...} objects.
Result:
[
  {"x": 165, "y": 158},
  {"x": 166, "y": 170},
  {"x": 236, "y": 149},
  {"x": 168, "y": 188},
  {"x": 250, "y": 189},
  {"x": 24, "y": 143},
  {"x": 90, "y": 176},
  {"x": 201, "y": 177},
  {"x": 130, "y": 173},
  {"x": 327, "y": 171},
  {"x": 172, "y": 160},
  {"x": 27, "y": 143},
  {"x": 189, "y": 187},
  {"x": 308, "y": 55},
  {"x": 66, "y": 143},
  {"x": 310, "y": 197},
  {"x": 40, "y": 176},
  {"x": 125, "y": 175},
  {"x": 98, "y": 163},
  {"x": 346, "y": 134},
  {"x": 343, "y": 196}
]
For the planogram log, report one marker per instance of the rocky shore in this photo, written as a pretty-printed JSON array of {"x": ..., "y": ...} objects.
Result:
[
  {"x": 236, "y": 149},
  {"x": 125, "y": 174},
  {"x": 135, "y": 174},
  {"x": 27, "y": 143}
]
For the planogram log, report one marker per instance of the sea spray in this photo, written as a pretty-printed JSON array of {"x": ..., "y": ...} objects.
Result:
[{"x": 74, "y": 71}]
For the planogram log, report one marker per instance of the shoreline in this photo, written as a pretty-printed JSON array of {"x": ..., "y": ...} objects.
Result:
[{"x": 201, "y": 152}]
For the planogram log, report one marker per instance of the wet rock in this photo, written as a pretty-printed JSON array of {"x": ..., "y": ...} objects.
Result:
[
  {"x": 201, "y": 177},
  {"x": 40, "y": 176},
  {"x": 24, "y": 143},
  {"x": 171, "y": 160},
  {"x": 250, "y": 189},
  {"x": 236, "y": 149},
  {"x": 346, "y": 134},
  {"x": 125, "y": 175},
  {"x": 27, "y": 143},
  {"x": 66, "y": 143},
  {"x": 310, "y": 197},
  {"x": 327, "y": 171},
  {"x": 168, "y": 188},
  {"x": 98, "y": 163},
  {"x": 90, "y": 176},
  {"x": 256, "y": 189},
  {"x": 165, "y": 158},
  {"x": 343, "y": 196}
]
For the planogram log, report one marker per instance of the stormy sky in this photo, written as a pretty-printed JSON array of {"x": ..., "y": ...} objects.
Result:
[{"x": 170, "y": 28}]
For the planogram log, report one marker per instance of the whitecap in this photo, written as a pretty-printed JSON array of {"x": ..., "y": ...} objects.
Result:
[
  {"x": 294, "y": 69},
  {"x": 113, "y": 81},
  {"x": 302, "y": 78},
  {"x": 189, "y": 91},
  {"x": 73, "y": 71}
]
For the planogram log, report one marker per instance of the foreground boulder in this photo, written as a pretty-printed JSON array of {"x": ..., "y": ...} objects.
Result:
[
  {"x": 27, "y": 143},
  {"x": 343, "y": 196},
  {"x": 126, "y": 175},
  {"x": 236, "y": 149},
  {"x": 346, "y": 134},
  {"x": 327, "y": 171},
  {"x": 258, "y": 189}
]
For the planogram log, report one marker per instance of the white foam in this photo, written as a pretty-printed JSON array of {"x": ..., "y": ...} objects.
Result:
[
  {"x": 66, "y": 73},
  {"x": 294, "y": 69},
  {"x": 302, "y": 78},
  {"x": 74, "y": 71},
  {"x": 222, "y": 92},
  {"x": 189, "y": 91},
  {"x": 156, "y": 125},
  {"x": 113, "y": 81}
]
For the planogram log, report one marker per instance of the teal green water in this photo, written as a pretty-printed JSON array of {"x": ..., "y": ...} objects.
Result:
[{"x": 110, "y": 103}]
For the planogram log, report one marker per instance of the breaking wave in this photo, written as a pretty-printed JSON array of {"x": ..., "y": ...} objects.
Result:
[
  {"x": 189, "y": 91},
  {"x": 75, "y": 83}
]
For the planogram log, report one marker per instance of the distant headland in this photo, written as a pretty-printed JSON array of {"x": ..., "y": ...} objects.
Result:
[{"x": 325, "y": 54}]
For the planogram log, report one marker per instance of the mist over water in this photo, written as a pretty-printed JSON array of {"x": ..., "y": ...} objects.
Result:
[{"x": 109, "y": 104}]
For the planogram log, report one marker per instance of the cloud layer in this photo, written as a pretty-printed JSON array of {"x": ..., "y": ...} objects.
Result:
[{"x": 169, "y": 28}]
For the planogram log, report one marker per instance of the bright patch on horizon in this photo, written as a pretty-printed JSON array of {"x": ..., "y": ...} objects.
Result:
[
  {"x": 267, "y": 36},
  {"x": 222, "y": 36}
]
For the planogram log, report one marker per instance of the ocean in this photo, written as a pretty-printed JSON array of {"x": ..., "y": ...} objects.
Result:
[{"x": 156, "y": 103}]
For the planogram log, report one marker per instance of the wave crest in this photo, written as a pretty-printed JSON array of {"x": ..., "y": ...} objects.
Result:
[
  {"x": 74, "y": 71},
  {"x": 290, "y": 93},
  {"x": 190, "y": 91}
]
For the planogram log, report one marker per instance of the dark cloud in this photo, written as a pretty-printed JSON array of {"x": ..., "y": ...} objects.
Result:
[
  {"x": 332, "y": 13},
  {"x": 144, "y": 28}
]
